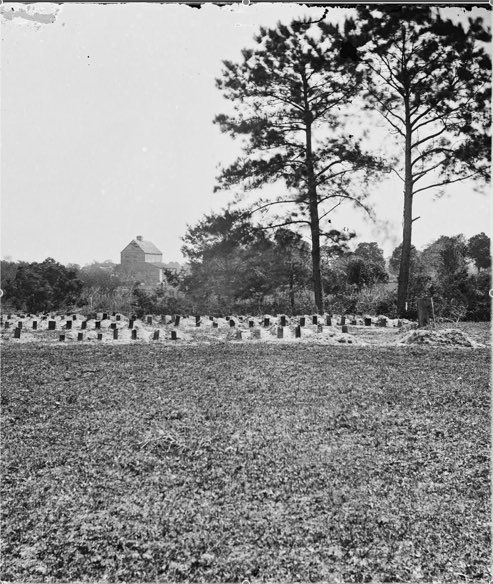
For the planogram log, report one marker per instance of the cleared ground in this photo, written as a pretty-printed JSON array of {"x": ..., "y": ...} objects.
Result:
[{"x": 242, "y": 461}]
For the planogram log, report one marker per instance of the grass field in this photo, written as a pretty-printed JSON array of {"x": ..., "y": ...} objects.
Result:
[{"x": 262, "y": 462}]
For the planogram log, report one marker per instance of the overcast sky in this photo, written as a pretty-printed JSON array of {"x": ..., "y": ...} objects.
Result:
[{"x": 107, "y": 131}]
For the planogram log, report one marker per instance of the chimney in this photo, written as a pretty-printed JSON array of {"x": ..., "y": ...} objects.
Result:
[{"x": 139, "y": 237}]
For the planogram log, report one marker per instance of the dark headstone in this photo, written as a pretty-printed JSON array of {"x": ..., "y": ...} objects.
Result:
[
  {"x": 211, "y": 318},
  {"x": 197, "y": 319},
  {"x": 113, "y": 325},
  {"x": 314, "y": 319},
  {"x": 177, "y": 320},
  {"x": 328, "y": 321},
  {"x": 105, "y": 316},
  {"x": 62, "y": 338},
  {"x": 118, "y": 317},
  {"x": 17, "y": 333},
  {"x": 80, "y": 336},
  {"x": 266, "y": 322},
  {"x": 51, "y": 325},
  {"x": 231, "y": 322},
  {"x": 149, "y": 320},
  {"x": 35, "y": 325},
  {"x": 283, "y": 320},
  {"x": 100, "y": 336},
  {"x": 425, "y": 311},
  {"x": 131, "y": 323},
  {"x": 215, "y": 325},
  {"x": 74, "y": 317},
  {"x": 367, "y": 321},
  {"x": 115, "y": 334},
  {"x": 155, "y": 336},
  {"x": 7, "y": 324},
  {"x": 302, "y": 321},
  {"x": 97, "y": 324},
  {"x": 134, "y": 334},
  {"x": 83, "y": 325},
  {"x": 238, "y": 335},
  {"x": 68, "y": 324},
  {"x": 256, "y": 333},
  {"x": 343, "y": 320},
  {"x": 19, "y": 324},
  {"x": 280, "y": 332},
  {"x": 173, "y": 336},
  {"x": 297, "y": 332},
  {"x": 345, "y": 328},
  {"x": 113, "y": 314},
  {"x": 320, "y": 328},
  {"x": 251, "y": 323}
]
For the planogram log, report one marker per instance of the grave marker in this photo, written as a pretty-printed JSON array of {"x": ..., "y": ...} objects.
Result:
[
  {"x": 134, "y": 334},
  {"x": 320, "y": 328},
  {"x": 149, "y": 320},
  {"x": 173, "y": 336},
  {"x": 425, "y": 311},
  {"x": 280, "y": 332},
  {"x": 105, "y": 316},
  {"x": 100, "y": 336},
  {"x": 177, "y": 320},
  {"x": 251, "y": 323},
  {"x": 97, "y": 324},
  {"x": 297, "y": 332},
  {"x": 115, "y": 334},
  {"x": 83, "y": 325},
  {"x": 7, "y": 324},
  {"x": 118, "y": 317},
  {"x": 343, "y": 320},
  {"x": 367, "y": 321},
  {"x": 314, "y": 319},
  {"x": 215, "y": 325},
  {"x": 155, "y": 336},
  {"x": 80, "y": 336},
  {"x": 68, "y": 324},
  {"x": 61, "y": 338},
  {"x": 19, "y": 324},
  {"x": 266, "y": 322},
  {"x": 302, "y": 321},
  {"x": 17, "y": 333},
  {"x": 256, "y": 333},
  {"x": 131, "y": 323},
  {"x": 52, "y": 325},
  {"x": 238, "y": 335},
  {"x": 231, "y": 322},
  {"x": 328, "y": 321},
  {"x": 113, "y": 325},
  {"x": 35, "y": 325},
  {"x": 345, "y": 328},
  {"x": 283, "y": 320},
  {"x": 74, "y": 317}
]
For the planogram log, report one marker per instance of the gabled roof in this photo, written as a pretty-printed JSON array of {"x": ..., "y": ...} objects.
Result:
[{"x": 147, "y": 246}]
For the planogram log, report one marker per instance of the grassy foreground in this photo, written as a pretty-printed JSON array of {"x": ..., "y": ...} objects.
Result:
[{"x": 226, "y": 463}]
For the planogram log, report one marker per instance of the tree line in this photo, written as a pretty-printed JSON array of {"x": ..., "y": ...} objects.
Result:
[
  {"x": 235, "y": 267},
  {"x": 297, "y": 94}
]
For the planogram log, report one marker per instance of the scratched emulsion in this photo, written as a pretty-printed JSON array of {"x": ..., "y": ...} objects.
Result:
[{"x": 30, "y": 13}]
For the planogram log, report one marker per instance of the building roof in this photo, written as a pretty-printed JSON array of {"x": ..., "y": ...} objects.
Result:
[{"x": 147, "y": 246}]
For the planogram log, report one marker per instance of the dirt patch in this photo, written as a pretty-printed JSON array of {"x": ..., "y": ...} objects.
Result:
[{"x": 438, "y": 338}]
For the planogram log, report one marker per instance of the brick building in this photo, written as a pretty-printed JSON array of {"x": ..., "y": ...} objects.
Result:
[{"x": 142, "y": 261}]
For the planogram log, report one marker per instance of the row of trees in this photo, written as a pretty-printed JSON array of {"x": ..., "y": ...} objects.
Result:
[
  {"x": 235, "y": 267},
  {"x": 294, "y": 97}
]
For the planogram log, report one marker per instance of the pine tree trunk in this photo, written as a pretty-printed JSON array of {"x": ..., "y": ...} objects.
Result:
[
  {"x": 313, "y": 206},
  {"x": 405, "y": 263}
]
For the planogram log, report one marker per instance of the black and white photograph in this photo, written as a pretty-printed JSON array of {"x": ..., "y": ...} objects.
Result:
[{"x": 245, "y": 293}]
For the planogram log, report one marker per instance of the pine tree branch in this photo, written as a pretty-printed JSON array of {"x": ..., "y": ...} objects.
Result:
[{"x": 447, "y": 182}]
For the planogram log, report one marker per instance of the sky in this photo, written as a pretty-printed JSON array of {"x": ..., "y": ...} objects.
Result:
[{"x": 107, "y": 133}]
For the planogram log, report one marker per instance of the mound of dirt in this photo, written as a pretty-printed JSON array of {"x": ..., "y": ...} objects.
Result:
[{"x": 438, "y": 338}]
